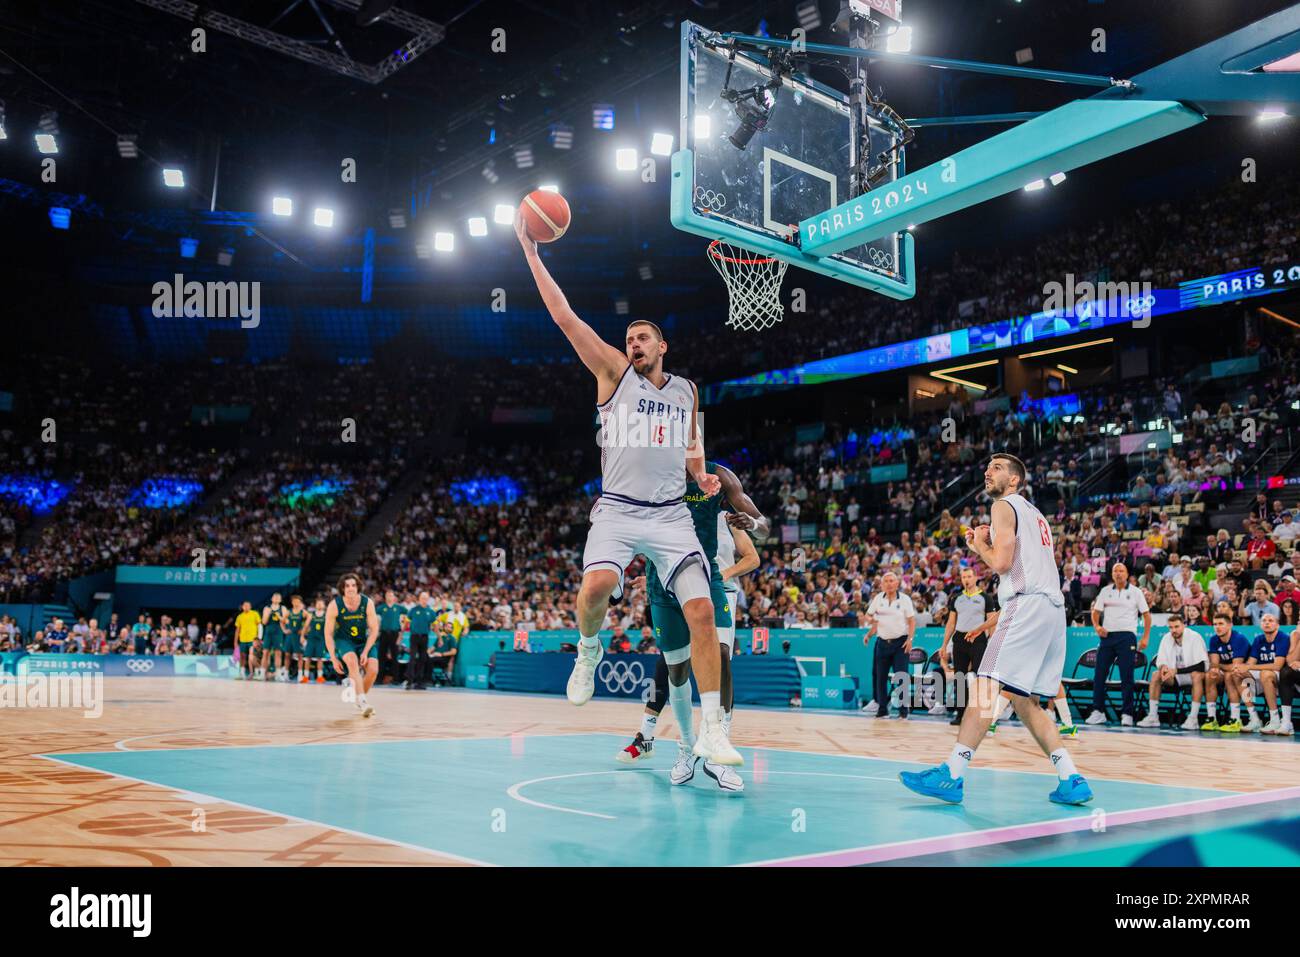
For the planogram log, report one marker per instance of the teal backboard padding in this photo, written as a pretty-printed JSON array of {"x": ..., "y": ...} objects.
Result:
[{"x": 1071, "y": 136}]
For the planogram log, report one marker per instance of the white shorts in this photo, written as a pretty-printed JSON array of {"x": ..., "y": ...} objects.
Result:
[
  {"x": 1027, "y": 650},
  {"x": 665, "y": 535}
]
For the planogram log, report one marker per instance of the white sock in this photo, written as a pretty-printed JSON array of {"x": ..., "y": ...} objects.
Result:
[
  {"x": 589, "y": 643},
  {"x": 679, "y": 697},
  {"x": 1003, "y": 706},
  {"x": 648, "y": 723},
  {"x": 726, "y": 722},
  {"x": 710, "y": 701},
  {"x": 1286, "y": 714},
  {"x": 1155, "y": 709},
  {"x": 1064, "y": 763},
  {"x": 1234, "y": 710},
  {"x": 1273, "y": 718},
  {"x": 959, "y": 759},
  {"x": 1063, "y": 709},
  {"x": 1212, "y": 709},
  {"x": 1196, "y": 709}
]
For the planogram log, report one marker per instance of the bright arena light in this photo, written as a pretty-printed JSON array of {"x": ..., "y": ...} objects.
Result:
[
  {"x": 323, "y": 217},
  {"x": 477, "y": 226},
  {"x": 661, "y": 144},
  {"x": 46, "y": 144},
  {"x": 173, "y": 178},
  {"x": 1057, "y": 179},
  {"x": 900, "y": 41},
  {"x": 549, "y": 187},
  {"x": 1267, "y": 116},
  {"x": 282, "y": 206},
  {"x": 444, "y": 242},
  {"x": 625, "y": 160},
  {"x": 1036, "y": 185},
  {"x": 703, "y": 126},
  {"x": 503, "y": 215}
]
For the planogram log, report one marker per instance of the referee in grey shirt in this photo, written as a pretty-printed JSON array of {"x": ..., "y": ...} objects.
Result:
[
  {"x": 972, "y": 613},
  {"x": 893, "y": 617}
]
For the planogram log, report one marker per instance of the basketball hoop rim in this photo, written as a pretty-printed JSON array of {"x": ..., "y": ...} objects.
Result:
[{"x": 760, "y": 261}]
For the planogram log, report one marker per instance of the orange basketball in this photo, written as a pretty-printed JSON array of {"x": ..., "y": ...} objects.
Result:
[{"x": 546, "y": 215}]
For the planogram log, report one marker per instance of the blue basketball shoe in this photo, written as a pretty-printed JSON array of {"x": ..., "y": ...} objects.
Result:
[
  {"x": 935, "y": 782},
  {"x": 1073, "y": 790}
]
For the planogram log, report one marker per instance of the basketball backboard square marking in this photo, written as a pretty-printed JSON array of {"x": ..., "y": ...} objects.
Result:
[{"x": 783, "y": 226}]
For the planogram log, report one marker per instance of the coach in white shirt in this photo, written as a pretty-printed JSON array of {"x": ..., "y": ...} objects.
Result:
[
  {"x": 1115, "y": 616},
  {"x": 893, "y": 617}
]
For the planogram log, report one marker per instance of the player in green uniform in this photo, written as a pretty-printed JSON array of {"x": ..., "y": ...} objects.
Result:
[
  {"x": 671, "y": 683},
  {"x": 295, "y": 624},
  {"x": 273, "y": 644},
  {"x": 351, "y": 630},
  {"x": 313, "y": 644}
]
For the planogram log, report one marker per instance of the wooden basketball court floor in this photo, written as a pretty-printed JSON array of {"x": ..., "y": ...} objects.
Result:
[{"x": 186, "y": 771}]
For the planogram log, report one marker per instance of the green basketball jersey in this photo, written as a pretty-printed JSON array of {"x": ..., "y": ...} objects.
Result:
[{"x": 351, "y": 625}]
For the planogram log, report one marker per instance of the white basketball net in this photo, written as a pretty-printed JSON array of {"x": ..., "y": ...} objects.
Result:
[{"x": 753, "y": 286}]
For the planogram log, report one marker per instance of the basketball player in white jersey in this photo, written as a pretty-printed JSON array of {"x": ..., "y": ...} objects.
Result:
[
  {"x": 650, "y": 441},
  {"x": 1026, "y": 654}
]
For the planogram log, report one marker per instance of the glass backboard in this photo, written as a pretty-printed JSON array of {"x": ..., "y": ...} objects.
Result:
[{"x": 795, "y": 167}]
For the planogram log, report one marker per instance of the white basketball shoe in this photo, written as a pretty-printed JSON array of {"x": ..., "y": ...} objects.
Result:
[{"x": 582, "y": 682}]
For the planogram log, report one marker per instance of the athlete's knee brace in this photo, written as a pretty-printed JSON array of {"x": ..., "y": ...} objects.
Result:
[
  {"x": 659, "y": 687},
  {"x": 690, "y": 583}
]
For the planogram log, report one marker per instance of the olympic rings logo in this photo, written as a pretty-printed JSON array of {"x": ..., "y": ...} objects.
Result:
[
  {"x": 621, "y": 677},
  {"x": 714, "y": 202},
  {"x": 880, "y": 258},
  {"x": 139, "y": 664}
]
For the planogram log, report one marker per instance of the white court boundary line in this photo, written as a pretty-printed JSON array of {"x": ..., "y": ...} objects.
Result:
[
  {"x": 215, "y": 799},
  {"x": 118, "y": 745},
  {"x": 514, "y": 789}
]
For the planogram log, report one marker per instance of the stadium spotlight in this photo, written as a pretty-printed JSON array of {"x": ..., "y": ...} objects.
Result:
[
  {"x": 46, "y": 140},
  {"x": 625, "y": 159},
  {"x": 1268, "y": 116},
  {"x": 444, "y": 242},
  {"x": 282, "y": 206},
  {"x": 661, "y": 144},
  {"x": 397, "y": 218},
  {"x": 1036, "y": 185},
  {"x": 189, "y": 247},
  {"x": 503, "y": 214},
  {"x": 523, "y": 156},
  {"x": 809, "y": 14},
  {"x": 602, "y": 116},
  {"x": 126, "y": 146},
  {"x": 173, "y": 178},
  {"x": 3, "y": 134},
  {"x": 60, "y": 217},
  {"x": 900, "y": 41},
  {"x": 549, "y": 187},
  {"x": 323, "y": 217},
  {"x": 225, "y": 256},
  {"x": 703, "y": 126},
  {"x": 477, "y": 226},
  {"x": 490, "y": 172},
  {"x": 561, "y": 136},
  {"x": 1057, "y": 179}
]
